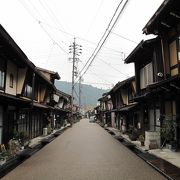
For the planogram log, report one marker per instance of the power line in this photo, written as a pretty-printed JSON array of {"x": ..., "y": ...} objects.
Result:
[
  {"x": 112, "y": 67},
  {"x": 100, "y": 77},
  {"x": 124, "y": 37},
  {"x": 52, "y": 38},
  {"x": 39, "y": 22},
  {"x": 96, "y": 14},
  {"x": 105, "y": 51},
  {"x": 34, "y": 7},
  {"x": 28, "y": 10},
  {"x": 97, "y": 49},
  {"x": 109, "y": 31},
  {"x": 51, "y": 13},
  {"x": 77, "y": 37},
  {"x": 108, "y": 75},
  {"x": 56, "y": 28},
  {"x": 108, "y": 84}
]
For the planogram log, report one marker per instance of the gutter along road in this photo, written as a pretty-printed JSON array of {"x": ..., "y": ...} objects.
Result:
[{"x": 84, "y": 152}]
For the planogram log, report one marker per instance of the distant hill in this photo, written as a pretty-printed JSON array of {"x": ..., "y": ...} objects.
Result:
[{"x": 90, "y": 94}]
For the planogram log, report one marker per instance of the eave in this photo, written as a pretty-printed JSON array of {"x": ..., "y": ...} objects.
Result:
[
  {"x": 144, "y": 48},
  {"x": 122, "y": 84},
  {"x": 54, "y": 74},
  {"x": 167, "y": 16},
  {"x": 15, "y": 48}
]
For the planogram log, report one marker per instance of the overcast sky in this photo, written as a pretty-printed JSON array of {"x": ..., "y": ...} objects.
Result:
[{"x": 44, "y": 29}]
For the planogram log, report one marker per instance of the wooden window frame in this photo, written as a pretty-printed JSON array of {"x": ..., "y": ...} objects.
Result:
[
  {"x": 177, "y": 40},
  {"x": 11, "y": 80},
  {"x": 2, "y": 74},
  {"x": 144, "y": 75}
]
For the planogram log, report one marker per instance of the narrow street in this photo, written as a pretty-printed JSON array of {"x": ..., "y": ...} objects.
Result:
[{"x": 85, "y": 151}]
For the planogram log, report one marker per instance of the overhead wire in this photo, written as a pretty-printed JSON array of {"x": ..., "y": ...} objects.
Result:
[
  {"x": 80, "y": 38},
  {"x": 53, "y": 39},
  {"x": 51, "y": 13},
  {"x": 102, "y": 40},
  {"x": 39, "y": 22},
  {"x": 112, "y": 67},
  {"x": 94, "y": 17},
  {"x": 52, "y": 16},
  {"x": 105, "y": 37},
  {"x": 99, "y": 76},
  {"x": 34, "y": 7},
  {"x": 108, "y": 75},
  {"x": 28, "y": 10},
  {"x": 97, "y": 47},
  {"x": 106, "y": 84},
  {"x": 124, "y": 37}
]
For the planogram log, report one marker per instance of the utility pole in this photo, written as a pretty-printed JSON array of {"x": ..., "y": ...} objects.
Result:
[
  {"x": 80, "y": 91},
  {"x": 75, "y": 49}
]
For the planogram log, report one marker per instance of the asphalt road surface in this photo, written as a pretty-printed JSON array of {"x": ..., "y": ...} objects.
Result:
[{"x": 84, "y": 152}]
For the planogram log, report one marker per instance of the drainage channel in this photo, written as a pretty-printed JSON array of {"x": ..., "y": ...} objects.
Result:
[
  {"x": 25, "y": 154},
  {"x": 167, "y": 169}
]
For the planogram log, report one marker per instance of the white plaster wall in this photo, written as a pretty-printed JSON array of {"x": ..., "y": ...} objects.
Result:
[
  {"x": 56, "y": 97},
  {"x": 11, "y": 69},
  {"x": 42, "y": 94},
  {"x": 21, "y": 79},
  {"x": 60, "y": 104},
  {"x": 124, "y": 96}
]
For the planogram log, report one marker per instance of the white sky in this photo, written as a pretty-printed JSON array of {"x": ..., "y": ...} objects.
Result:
[{"x": 84, "y": 19}]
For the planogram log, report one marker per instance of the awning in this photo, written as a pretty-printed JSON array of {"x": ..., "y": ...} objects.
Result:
[
  {"x": 128, "y": 107},
  {"x": 166, "y": 81},
  {"x": 13, "y": 99},
  {"x": 165, "y": 18},
  {"x": 35, "y": 104},
  {"x": 62, "y": 110}
]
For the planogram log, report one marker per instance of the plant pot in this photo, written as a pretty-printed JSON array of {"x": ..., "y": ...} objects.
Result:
[
  {"x": 142, "y": 143},
  {"x": 2, "y": 161}
]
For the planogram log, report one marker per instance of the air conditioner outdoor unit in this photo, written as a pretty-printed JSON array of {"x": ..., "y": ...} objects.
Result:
[{"x": 160, "y": 74}]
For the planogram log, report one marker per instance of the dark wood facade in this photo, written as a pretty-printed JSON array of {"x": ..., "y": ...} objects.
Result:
[
  {"x": 157, "y": 70},
  {"x": 26, "y": 93},
  {"x": 157, "y": 80}
]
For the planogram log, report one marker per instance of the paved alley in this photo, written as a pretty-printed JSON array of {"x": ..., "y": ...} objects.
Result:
[{"x": 84, "y": 152}]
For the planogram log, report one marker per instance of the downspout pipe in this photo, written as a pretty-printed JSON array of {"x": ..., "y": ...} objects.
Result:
[{"x": 33, "y": 89}]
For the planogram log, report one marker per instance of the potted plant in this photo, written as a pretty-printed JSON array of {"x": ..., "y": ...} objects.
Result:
[
  {"x": 2, "y": 160},
  {"x": 142, "y": 139},
  {"x": 132, "y": 134},
  {"x": 22, "y": 138},
  {"x": 168, "y": 130}
]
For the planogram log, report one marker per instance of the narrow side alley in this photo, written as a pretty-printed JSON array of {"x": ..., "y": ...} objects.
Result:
[{"x": 85, "y": 151}]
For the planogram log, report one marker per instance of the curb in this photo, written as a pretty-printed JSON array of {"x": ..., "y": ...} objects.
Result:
[
  {"x": 27, "y": 153},
  {"x": 141, "y": 154}
]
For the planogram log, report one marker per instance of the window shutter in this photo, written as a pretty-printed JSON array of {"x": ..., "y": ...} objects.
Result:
[
  {"x": 149, "y": 74},
  {"x": 142, "y": 85}
]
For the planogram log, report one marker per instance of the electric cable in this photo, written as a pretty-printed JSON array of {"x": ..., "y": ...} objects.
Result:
[
  {"x": 109, "y": 31},
  {"x": 96, "y": 49}
]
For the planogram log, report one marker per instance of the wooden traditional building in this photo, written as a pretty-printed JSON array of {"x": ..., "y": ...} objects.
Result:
[
  {"x": 62, "y": 108},
  {"x": 76, "y": 115},
  {"x": 105, "y": 110},
  {"x": 157, "y": 72},
  {"x": 26, "y": 93},
  {"x": 122, "y": 94},
  {"x": 165, "y": 23},
  {"x": 97, "y": 112},
  {"x": 148, "y": 70}
]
